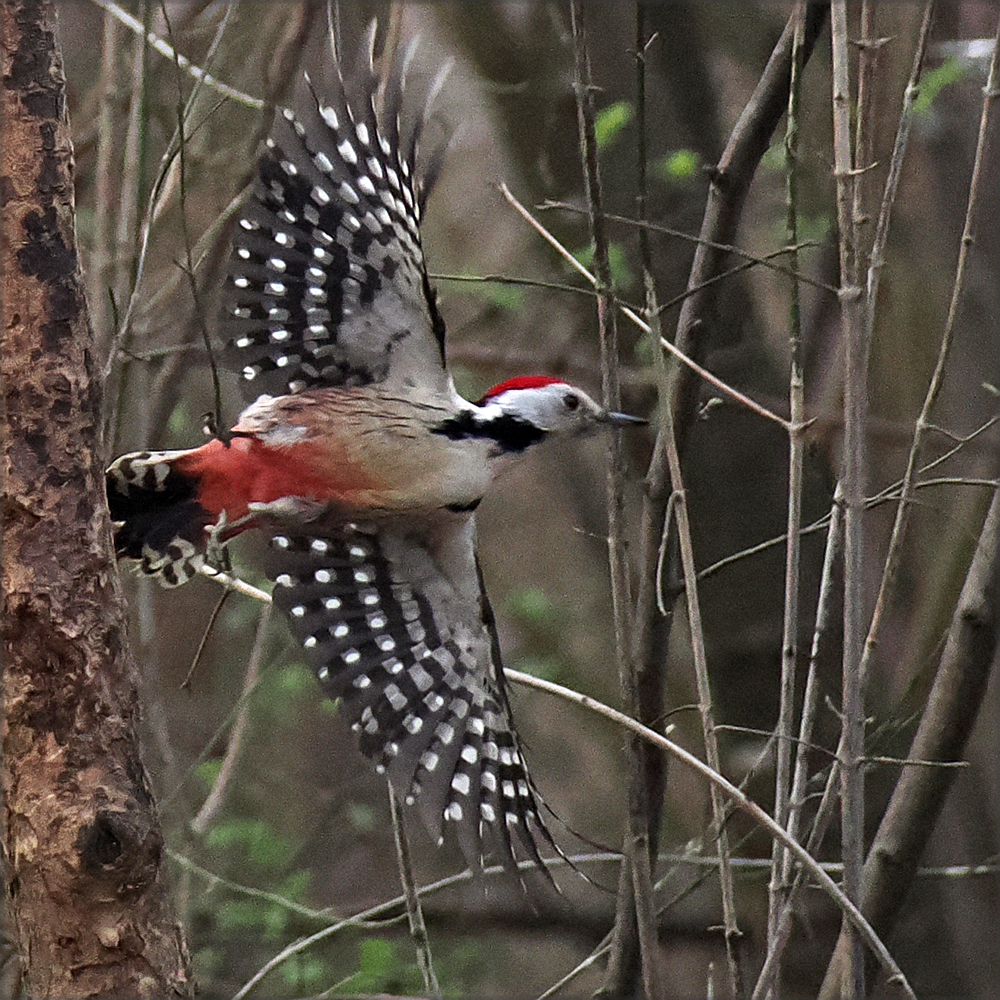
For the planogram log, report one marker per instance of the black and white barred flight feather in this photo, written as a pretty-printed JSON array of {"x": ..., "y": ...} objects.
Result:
[{"x": 327, "y": 283}]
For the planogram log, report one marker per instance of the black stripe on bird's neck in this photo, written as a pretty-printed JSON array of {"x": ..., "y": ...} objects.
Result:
[{"x": 511, "y": 433}]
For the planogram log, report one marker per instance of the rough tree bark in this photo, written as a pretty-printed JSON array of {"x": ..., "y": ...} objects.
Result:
[{"x": 86, "y": 894}]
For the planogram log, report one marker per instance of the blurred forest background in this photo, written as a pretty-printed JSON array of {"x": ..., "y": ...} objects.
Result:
[{"x": 277, "y": 827}]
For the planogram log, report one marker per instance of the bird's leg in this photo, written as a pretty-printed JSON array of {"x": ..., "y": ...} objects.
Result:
[{"x": 216, "y": 554}]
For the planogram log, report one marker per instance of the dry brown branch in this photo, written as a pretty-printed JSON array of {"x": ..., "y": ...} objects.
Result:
[
  {"x": 944, "y": 729},
  {"x": 781, "y": 862},
  {"x": 730, "y": 182},
  {"x": 414, "y": 914},
  {"x": 636, "y": 913},
  {"x": 853, "y": 478},
  {"x": 945, "y": 726}
]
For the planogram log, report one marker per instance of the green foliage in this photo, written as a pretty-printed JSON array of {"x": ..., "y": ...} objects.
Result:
[
  {"x": 305, "y": 974},
  {"x": 609, "y": 121},
  {"x": 295, "y": 680},
  {"x": 496, "y": 294},
  {"x": 361, "y": 816},
  {"x": 532, "y": 606},
  {"x": 621, "y": 276},
  {"x": 539, "y": 618},
  {"x": 255, "y": 841},
  {"x": 549, "y": 668},
  {"x": 932, "y": 83},
  {"x": 678, "y": 165},
  {"x": 207, "y": 772},
  {"x": 382, "y": 968},
  {"x": 774, "y": 157}
]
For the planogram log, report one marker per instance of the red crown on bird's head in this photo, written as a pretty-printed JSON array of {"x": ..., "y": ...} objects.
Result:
[{"x": 520, "y": 382}]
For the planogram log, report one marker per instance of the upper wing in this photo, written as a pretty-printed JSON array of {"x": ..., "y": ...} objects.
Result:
[
  {"x": 398, "y": 629},
  {"x": 327, "y": 284}
]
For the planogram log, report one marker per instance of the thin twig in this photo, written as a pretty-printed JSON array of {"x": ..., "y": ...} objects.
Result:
[
  {"x": 213, "y": 802},
  {"x": 235, "y": 583},
  {"x": 127, "y": 259},
  {"x": 637, "y": 840},
  {"x": 923, "y": 422},
  {"x": 200, "y": 651},
  {"x": 184, "y": 109},
  {"x": 869, "y": 47},
  {"x": 749, "y": 259},
  {"x": 952, "y": 706},
  {"x": 104, "y": 252},
  {"x": 414, "y": 914},
  {"x": 852, "y": 312},
  {"x": 886, "y": 495},
  {"x": 162, "y": 187},
  {"x": 697, "y": 634},
  {"x": 897, "y": 537},
  {"x": 778, "y": 933},
  {"x": 667, "y": 345},
  {"x": 159, "y": 45},
  {"x": 796, "y": 407},
  {"x": 742, "y": 801},
  {"x": 739, "y": 797},
  {"x": 877, "y": 258}
]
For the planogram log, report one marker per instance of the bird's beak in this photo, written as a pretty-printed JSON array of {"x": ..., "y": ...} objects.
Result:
[{"x": 622, "y": 419}]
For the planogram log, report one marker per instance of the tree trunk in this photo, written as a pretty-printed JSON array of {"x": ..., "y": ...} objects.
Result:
[{"x": 87, "y": 901}]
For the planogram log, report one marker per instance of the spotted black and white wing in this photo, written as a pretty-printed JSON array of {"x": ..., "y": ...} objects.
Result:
[
  {"x": 386, "y": 617},
  {"x": 327, "y": 284}
]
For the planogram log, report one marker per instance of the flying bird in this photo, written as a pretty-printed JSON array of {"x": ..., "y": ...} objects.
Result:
[{"x": 362, "y": 464}]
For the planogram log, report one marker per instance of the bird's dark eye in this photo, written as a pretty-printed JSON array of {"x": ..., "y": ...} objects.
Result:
[{"x": 572, "y": 401}]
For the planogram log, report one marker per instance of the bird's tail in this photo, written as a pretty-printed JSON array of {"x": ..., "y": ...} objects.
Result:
[{"x": 153, "y": 502}]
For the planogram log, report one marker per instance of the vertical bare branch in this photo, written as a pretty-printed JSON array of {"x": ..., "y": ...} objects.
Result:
[
  {"x": 683, "y": 537},
  {"x": 829, "y": 798},
  {"x": 852, "y": 312},
  {"x": 107, "y": 176},
  {"x": 768, "y": 978},
  {"x": 216, "y": 797},
  {"x": 637, "y": 843},
  {"x": 954, "y": 701},
  {"x": 869, "y": 46},
  {"x": 730, "y": 924},
  {"x": 900, "y": 525},
  {"x": 731, "y": 179},
  {"x": 923, "y": 804},
  {"x": 414, "y": 913},
  {"x": 796, "y": 401},
  {"x": 877, "y": 259}
]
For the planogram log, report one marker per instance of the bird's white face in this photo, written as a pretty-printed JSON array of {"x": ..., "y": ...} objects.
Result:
[{"x": 556, "y": 408}]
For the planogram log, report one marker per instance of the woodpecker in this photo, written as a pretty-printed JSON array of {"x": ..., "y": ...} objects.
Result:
[{"x": 362, "y": 464}]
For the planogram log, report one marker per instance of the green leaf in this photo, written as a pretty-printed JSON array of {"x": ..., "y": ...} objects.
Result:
[
  {"x": 621, "y": 276},
  {"x": 532, "y": 605},
  {"x": 361, "y": 816},
  {"x": 208, "y": 771},
  {"x": 610, "y": 121},
  {"x": 378, "y": 964},
  {"x": 253, "y": 838},
  {"x": 932, "y": 83},
  {"x": 304, "y": 973},
  {"x": 238, "y": 915},
  {"x": 679, "y": 165},
  {"x": 295, "y": 885},
  {"x": 294, "y": 679}
]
